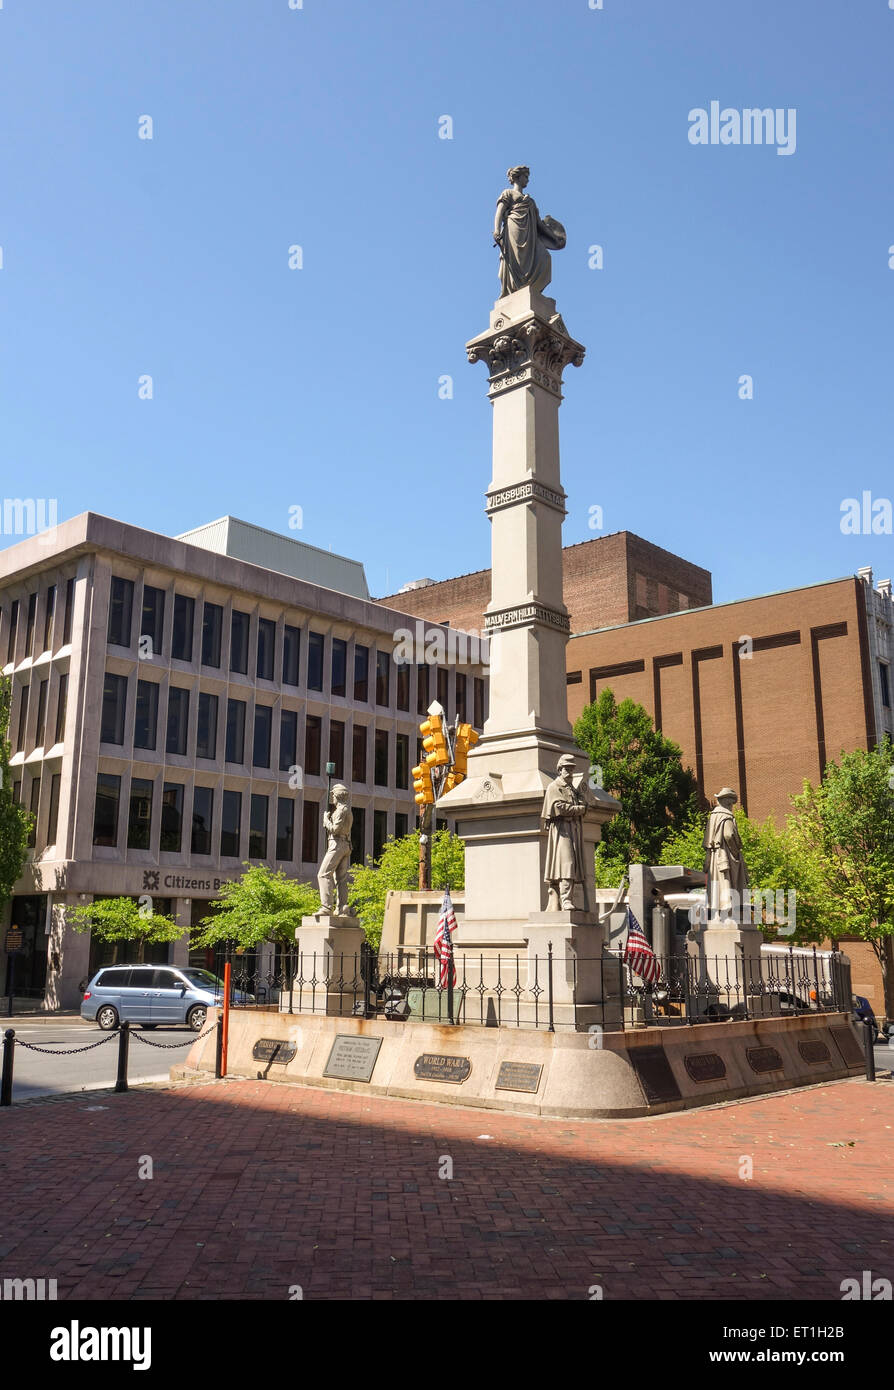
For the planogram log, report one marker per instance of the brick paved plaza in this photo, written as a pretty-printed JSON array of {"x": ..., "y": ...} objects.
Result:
[{"x": 259, "y": 1187}]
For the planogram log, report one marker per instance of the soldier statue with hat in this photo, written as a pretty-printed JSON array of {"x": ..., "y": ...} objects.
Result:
[
  {"x": 724, "y": 857},
  {"x": 565, "y": 804}
]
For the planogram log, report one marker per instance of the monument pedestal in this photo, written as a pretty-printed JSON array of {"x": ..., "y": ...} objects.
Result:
[
  {"x": 329, "y": 965},
  {"x": 725, "y": 967}
]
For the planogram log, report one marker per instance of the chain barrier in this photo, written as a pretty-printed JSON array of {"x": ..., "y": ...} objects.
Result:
[
  {"x": 197, "y": 1037},
  {"x": 63, "y": 1051}
]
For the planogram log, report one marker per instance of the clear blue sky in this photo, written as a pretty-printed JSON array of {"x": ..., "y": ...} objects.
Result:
[{"x": 318, "y": 388}]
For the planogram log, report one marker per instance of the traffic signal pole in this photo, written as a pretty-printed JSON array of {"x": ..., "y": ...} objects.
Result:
[{"x": 425, "y": 820}]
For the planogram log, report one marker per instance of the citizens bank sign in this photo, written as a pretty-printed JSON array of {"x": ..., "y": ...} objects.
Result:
[{"x": 156, "y": 881}]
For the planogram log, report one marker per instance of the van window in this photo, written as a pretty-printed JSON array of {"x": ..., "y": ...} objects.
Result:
[
  {"x": 113, "y": 979},
  {"x": 141, "y": 979},
  {"x": 166, "y": 979}
]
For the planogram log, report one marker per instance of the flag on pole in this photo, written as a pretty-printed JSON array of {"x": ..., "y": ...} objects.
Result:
[
  {"x": 638, "y": 954},
  {"x": 443, "y": 942}
]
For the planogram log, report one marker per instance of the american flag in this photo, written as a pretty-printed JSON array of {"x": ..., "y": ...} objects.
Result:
[
  {"x": 638, "y": 954},
  {"x": 443, "y": 942}
]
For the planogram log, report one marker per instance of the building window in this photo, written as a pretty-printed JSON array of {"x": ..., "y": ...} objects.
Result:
[
  {"x": 171, "y": 818},
  {"x": 285, "y": 827},
  {"x": 239, "y": 624},
  {"x": 380, "y": 832},
  {"x": 291, "y": 652},
  {"x": 883, "y": 676},
  {"x": 380, "y": 758},
  {"x": 53, "y": 817},
  {"x": 361, "y": 673},
  {"x": 231, "y": 816},
  {"x": 48, "y": 618},
  {"x": 152, "y": 621},
  {"x": 29, "y": 630},
  {"x": 23, "y": 719},
  {"x": 257, "y": 830},
  {"x": 313, "y": 734},
  {"x": 288, "y": 739},
  {"x": 212, "y": 631},
  {"x": 337, "y": 746},
  {"x": 422, "y": 690},
  {"x": 40, "y": 731},
  {"x": 235, "y": 752},
  {"x": 574, "y": 678},
  {"x": 460, "y": 697},
  {"x": 105, "y": 815},
  {"x": 266, "y": 645},
  {"x": 479, "y": 703},
  {"x": 202, "y": 813},
  {"x": 261, "y": 744},
  {"x": 401, "y": 824},
  {"x": 401, "y": 762},
  {"x": 35, "y": 803},
  {"x": 358, "y": 836},
  {"x": 178, "y": 720},
  {"x": 403, "y": 686},
  {"x": 444, "y": 687},
  {"x": 206, "y": 732},
  {"x": 339, "y": 666},
  {"x": 17, "y": 791},
  {"x": 181, "y": 636},
  {"x": 146, "y": 721},
  {"x": 310, "y": 832},
  {"x": 383, "y": 678},
  {"x": 358, "y": 753},
  {"x": 61, "y": 703},
  {"x": 315, "y": 642},
  {"x": 69, "y": 612},
  {"x": 13, "y": 631},
  {"x": 139, "y": 820},
  {"x": 114, "y": 703},
  {"x": 120, "y": 612}
]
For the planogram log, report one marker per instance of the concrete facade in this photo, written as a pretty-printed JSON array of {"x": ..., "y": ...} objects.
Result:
[{"x": 317, "y": 664}]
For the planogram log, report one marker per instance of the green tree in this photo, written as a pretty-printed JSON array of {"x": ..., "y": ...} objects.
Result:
[
  {"x": 123, "y": 919},
  {"x": 15, "y": 821},
  {"x": 844, "y": 831},
  {"x": 398, "y": 868},
  {"x": 260, "y": 906},
  {"x": 644, "y": 770}
]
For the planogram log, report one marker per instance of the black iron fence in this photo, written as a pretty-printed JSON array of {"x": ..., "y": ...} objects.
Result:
[{"x": 545, "y": 990}]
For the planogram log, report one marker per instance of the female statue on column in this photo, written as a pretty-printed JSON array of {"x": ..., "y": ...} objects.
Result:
[{"x": 524, "y": 238}]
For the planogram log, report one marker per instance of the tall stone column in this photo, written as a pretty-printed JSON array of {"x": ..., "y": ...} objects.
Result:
[{"x": 497, "y": 809}]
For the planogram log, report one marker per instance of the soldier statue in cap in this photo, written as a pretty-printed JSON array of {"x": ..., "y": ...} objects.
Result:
[
  {"x": 333, "y": 875},
  {"x": 724, "y": 858},
  {"x": 565, "y": 803}
]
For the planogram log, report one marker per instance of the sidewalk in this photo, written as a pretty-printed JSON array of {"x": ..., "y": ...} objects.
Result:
[{"x": 257, "y": 1188}]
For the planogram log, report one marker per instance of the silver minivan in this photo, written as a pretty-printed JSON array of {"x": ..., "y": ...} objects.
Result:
[{"x": 153, "y": 995}]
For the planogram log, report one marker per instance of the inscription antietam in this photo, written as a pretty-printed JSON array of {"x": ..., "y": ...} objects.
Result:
[{"x": 435, "y": 1066}]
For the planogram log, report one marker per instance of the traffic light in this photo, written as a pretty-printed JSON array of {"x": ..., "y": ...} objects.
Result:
[
  {"x": 434, "y": 741},
  {"x": 424, "y": 791},
  {"x": 465, "y": 739}
]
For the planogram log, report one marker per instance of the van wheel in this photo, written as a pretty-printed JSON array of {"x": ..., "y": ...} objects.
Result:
[
  {"x": 196, "y": 1018},
  {"x": 107, "y": 1018},
  {"x": 147, "y": 1027}
]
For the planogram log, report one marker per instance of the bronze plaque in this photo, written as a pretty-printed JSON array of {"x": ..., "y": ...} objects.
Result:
[
  {"x": 518, "y": 1076},
  {"x": 850, "y": 1049},
  {"x": 278, "y": 1050},
  {"x": 705, "y": 1066},
  {"x": 761, "y": 1059},
  {"x": 812, "y": 1050},
  {"x": 352, "y": 1058},
  {"x": 654, "y": 1073},
  {"x": 435, "y": 1066}
]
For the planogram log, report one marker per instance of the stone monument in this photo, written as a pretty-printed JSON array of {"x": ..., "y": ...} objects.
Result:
[
  {"x": 330, "y": 941},
  {"x": 499, "y": 808}
]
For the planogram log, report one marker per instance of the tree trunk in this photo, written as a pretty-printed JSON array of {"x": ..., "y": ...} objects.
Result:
[{"x": 886, "y": 960}]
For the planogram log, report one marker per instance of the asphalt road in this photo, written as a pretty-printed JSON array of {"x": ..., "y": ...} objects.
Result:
[{"x": 40, "y": 1074}]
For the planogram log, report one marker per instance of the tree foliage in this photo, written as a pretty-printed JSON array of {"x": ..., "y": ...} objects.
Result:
[
  {"x": 123, "y": 919},
  {"x": 398, "y": 868},
  {"x": 644, "y": 770},
  {"x": 15, "y": 821},
  {"x": 260, "y": 906}
]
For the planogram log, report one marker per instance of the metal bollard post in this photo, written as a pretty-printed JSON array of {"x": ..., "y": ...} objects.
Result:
[
  {"x": 9, "y": 1047},
  {"x": 867, "y": 1048},
  {"x": 549, "y": 981},
  {"x": 218, "y": 1057},
  {"x": 123, "y": 1049}
]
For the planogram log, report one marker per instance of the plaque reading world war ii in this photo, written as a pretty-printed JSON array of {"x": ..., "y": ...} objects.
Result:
[
  {"x": 705, "y": 1066},
  {"x": 518, "y": 1076},
  {"x": 352, "y": 1058},
  {"x": 814, "y": 1051},
  {"x": 435, "y": 1066},
  {"x": 761, "y": 1059},
  {"x": 277, "y": 1050}
]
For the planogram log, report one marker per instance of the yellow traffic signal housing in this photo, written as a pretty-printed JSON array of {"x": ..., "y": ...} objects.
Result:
[
  {"x": 466, "y": 738},
  {"x": 453, "y": 780},
  {"x": 422, "y": 786},
  {"x": 434, "y": 741}
]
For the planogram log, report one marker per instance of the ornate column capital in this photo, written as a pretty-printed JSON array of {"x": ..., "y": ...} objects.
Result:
[{"x": 525, "y": 350}]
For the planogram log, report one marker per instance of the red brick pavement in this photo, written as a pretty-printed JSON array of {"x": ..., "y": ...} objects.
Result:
[{"x": 259, "y": 1187}]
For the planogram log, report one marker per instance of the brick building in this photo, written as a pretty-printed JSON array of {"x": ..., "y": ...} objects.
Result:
[{"x": 608, "y": 580}]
